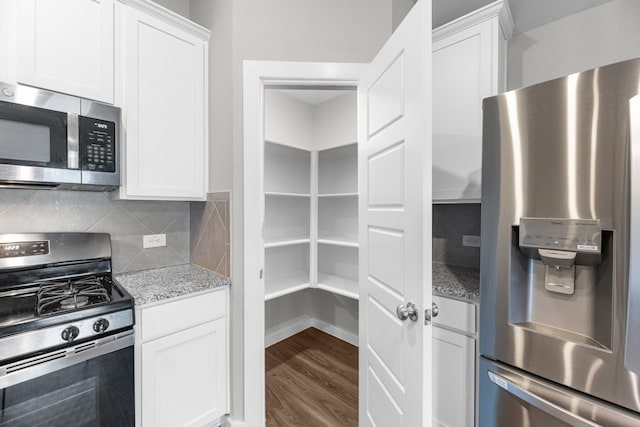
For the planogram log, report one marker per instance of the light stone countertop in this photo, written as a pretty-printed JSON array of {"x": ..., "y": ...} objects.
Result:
[
  {"x": 452, "y": 281},
  {"x": 168, "y": 282}
]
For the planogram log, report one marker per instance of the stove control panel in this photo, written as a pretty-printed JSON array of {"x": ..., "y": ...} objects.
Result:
[{"x": 17, "y": 249}]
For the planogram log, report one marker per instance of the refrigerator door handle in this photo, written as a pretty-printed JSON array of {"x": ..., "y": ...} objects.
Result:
[
  {"x": 632, "y": 341},
  {"x": 540, "y": 403}
]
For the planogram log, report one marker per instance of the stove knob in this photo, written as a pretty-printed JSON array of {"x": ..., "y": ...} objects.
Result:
[
  {"x": 100, "y": 325},
  {"x": 70, "y": 333}
]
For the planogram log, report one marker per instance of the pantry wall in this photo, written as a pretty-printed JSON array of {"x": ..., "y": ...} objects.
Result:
[{"x": 311, "y": 208}]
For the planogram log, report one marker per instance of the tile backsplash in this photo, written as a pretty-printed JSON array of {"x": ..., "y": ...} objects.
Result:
[
  {"x": 126, "y": 221},
  {"x": 210, "y": 233},
  {"x": 450, "y": 223}
]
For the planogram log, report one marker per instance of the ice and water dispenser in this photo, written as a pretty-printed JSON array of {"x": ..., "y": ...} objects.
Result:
[{"x": 561, "y": 279}]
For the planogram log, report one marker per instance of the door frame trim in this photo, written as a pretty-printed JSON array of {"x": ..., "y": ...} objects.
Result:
[{"x": 257, "y": 75}]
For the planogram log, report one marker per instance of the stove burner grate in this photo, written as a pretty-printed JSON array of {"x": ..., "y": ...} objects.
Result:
[{"x": 70, "y": 295}]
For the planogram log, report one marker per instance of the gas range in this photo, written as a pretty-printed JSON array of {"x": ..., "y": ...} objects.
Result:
[{"x": 56, "y": 290}]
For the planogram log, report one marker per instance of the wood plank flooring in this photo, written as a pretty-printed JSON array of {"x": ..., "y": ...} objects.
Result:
[{"x": 311, "y": 380}]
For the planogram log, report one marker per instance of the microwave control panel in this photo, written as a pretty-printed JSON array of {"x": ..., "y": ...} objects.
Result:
[{"x": 97, "y": 144}]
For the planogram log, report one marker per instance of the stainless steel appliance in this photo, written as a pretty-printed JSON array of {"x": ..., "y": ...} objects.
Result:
[
  {"x": 560, "y": 278},
  {"x": 66, "y": 333},
  {"x": 52, "y": 140}
]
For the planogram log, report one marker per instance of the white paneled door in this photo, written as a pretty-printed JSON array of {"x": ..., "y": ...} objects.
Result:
[{"x": 395, "y": 228}]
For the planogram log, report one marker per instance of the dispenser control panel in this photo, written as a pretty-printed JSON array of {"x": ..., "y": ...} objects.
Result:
[{"x": 577, "y": 235}]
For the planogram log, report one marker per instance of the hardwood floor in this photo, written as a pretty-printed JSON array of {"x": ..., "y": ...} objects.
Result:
[{"x": 311, "y": 380}]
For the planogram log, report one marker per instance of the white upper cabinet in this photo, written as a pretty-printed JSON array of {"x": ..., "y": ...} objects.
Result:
[
  {"x": 469, "y": 64},
  {"x": 161, "y": 84},
  {"x": 63, "y": 45}
]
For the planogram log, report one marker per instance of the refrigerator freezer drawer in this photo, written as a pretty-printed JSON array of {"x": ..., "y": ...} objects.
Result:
[{"x": 512, "y": 397}]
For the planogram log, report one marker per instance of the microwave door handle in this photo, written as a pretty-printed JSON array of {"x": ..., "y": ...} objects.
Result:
[
  {"x": 73, "y": 141},
  {"x": 540, "y": 403},
  {"x": 632, "y": 341}
]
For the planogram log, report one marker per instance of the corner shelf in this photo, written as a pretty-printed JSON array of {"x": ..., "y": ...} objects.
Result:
[
  {"x": 338, "y": 241},
  {"x": 311, "y": 220},
  {"x": 286, "y": 285},
  {"x": 338, "y": 285},
  {"x": 281, "y": 194},
  {"x": 287, "y": 169},
  {"x": 286, "y": 242},
  {"x": 337, "y": 195}
]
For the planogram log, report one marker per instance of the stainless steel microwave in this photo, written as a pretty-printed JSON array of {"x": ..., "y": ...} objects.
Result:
[{"x": 53, "y": 140}]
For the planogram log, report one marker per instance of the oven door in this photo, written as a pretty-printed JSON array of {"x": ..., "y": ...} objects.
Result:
[{"x": 91, "y": 384}]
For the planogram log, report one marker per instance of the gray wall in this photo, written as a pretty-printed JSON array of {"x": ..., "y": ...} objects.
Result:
[
  {"x": 399, "y": 9},
  {"x": 602, "y": 35},
  {"x": 181, "y": 7}
]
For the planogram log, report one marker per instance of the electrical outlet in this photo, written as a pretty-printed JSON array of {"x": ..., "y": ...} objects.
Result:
[
  {"x": 473, "y": 241},
  {"x": 154, "y": 240}
]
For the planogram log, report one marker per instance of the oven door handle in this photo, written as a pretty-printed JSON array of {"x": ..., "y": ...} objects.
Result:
[
  {"x": 539, "y": 402},
  {"x": 33, "y": 367}
]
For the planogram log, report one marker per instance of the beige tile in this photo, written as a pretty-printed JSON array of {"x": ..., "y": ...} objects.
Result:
[{"x": 210, "y": 235}]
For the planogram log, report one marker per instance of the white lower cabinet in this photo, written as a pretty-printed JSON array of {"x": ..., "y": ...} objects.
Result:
[
  {"x": 182, "y": 361},
  {"x": 454, "y": 361}
]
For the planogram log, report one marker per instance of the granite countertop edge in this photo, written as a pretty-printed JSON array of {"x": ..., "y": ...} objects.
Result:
[
  {"x": 159, "y": 284},
  {"x": 452, "y": 281}
]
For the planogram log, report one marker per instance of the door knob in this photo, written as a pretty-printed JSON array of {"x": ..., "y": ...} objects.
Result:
[{"x": 408, "y": 311}]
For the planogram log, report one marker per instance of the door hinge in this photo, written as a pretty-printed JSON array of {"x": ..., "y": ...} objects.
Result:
[{"x": 261, "y": 273}]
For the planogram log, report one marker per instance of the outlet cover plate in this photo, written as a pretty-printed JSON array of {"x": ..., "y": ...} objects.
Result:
[
  {"x": 472, "y": 241},
  {"x": 154, "y": 240}
]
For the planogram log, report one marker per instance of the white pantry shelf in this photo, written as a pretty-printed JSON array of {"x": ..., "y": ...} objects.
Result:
[
  {"x": 338, "y": 195},
  {"x": 338, "y": 285},
  {"x": 339, "y": 241},
  {"x": 286, "y": 242},
  {"x": 281, "y": 194},
  {"x": 286, "y": 285}
]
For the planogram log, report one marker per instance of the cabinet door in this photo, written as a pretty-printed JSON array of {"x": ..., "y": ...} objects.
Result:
[
  {"x": 165, "y": 95},
  {"x": 184, "y": 377},
  {"x": 462, "y": 77},
  {"x": 67, "y": 46},
  {"x": 453, "y": 379}
]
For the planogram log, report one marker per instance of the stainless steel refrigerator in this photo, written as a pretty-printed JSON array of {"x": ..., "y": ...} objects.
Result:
[{"x": 560, "y": 255}]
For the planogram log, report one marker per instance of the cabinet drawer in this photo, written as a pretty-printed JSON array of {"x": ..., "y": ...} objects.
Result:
[
  {"x": 454, "y": 314},
  {"x": 176, "y": 315}
]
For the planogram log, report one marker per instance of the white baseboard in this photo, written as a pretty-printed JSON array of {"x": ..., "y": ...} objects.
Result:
[
  {"x": 230, "y": 422},
  {"x": 287, "y": 330},
  {"x": 290, "y": 329},
  {"x": 341, "y": 334}
]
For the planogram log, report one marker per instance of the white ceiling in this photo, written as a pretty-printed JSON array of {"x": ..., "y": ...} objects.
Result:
[{"x": 527, "y": 14}]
